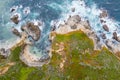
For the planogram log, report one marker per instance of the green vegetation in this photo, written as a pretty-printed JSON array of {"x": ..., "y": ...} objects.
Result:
[{"x": 80, "y": 62}]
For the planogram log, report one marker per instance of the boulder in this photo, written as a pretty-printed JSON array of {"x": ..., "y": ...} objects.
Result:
[{"x": 105, "y": 27}]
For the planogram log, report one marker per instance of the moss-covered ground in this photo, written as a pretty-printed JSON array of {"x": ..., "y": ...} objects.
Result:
[{"x": 79, "y": 62}]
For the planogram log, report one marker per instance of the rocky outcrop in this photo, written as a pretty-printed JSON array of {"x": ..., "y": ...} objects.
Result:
[
  {"x": 32, "y": 30},
  {"x": 15, "y": 18}
]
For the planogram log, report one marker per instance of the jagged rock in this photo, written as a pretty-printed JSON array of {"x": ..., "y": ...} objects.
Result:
[
  {"x": 105, "y": 27},
  {"x": 15, "y": 19},
  {"x": 16, "y": 32},
  {"x": 103, "y": 14}
]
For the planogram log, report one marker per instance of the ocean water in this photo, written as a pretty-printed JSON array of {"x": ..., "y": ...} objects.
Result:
[{"x": 49, "y": 11}]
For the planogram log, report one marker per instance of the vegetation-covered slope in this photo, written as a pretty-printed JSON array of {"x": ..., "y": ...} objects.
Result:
[{"x": 73, "y": 58}]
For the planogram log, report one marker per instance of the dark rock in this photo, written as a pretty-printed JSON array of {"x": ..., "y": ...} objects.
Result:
[
  {"x": 105, "y": 27},
  {"x": 15, "y": 19},
  {"x": 12, "y": 10},
  {"x": 78, "y": 18},
  {"x": 107, "y": 44},
  {"x": 23, "y": 27},
  {"x": 103, "y": 14},
  {"x": 115, "y": 35},
  {"x": 103, "y": 36},
  {"x": 117, "y": 38},
  {"x": 16, "y": 32},
  {"x": 102, "y": 21},
  {"x": 32, "y": 30},
  {"x": 73, "y": 9},
  {"x": 53, "y": 28},
  {"x": 2, "y": 50},
  {"x": 88, "y": 25}
]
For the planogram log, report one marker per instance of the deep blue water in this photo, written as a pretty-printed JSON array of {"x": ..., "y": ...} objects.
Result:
[{"x": 112, "y": 6}]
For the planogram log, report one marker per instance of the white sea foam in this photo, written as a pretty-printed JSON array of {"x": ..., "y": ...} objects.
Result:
[{"x": 92, "y": 14}]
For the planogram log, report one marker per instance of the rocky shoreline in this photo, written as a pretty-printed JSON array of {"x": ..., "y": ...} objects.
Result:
[{"x": 74, "y": 23}]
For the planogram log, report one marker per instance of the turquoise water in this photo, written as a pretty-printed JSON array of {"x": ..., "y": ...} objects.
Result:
[{"x": 50, "y": 10}]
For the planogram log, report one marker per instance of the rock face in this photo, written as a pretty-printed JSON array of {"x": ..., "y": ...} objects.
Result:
[
  {"x": 16, "y": 32},
  {"x": 15, "y": 18},
  {"x": 32, "y": 30},
  {"x": 105, "y": 27}
]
